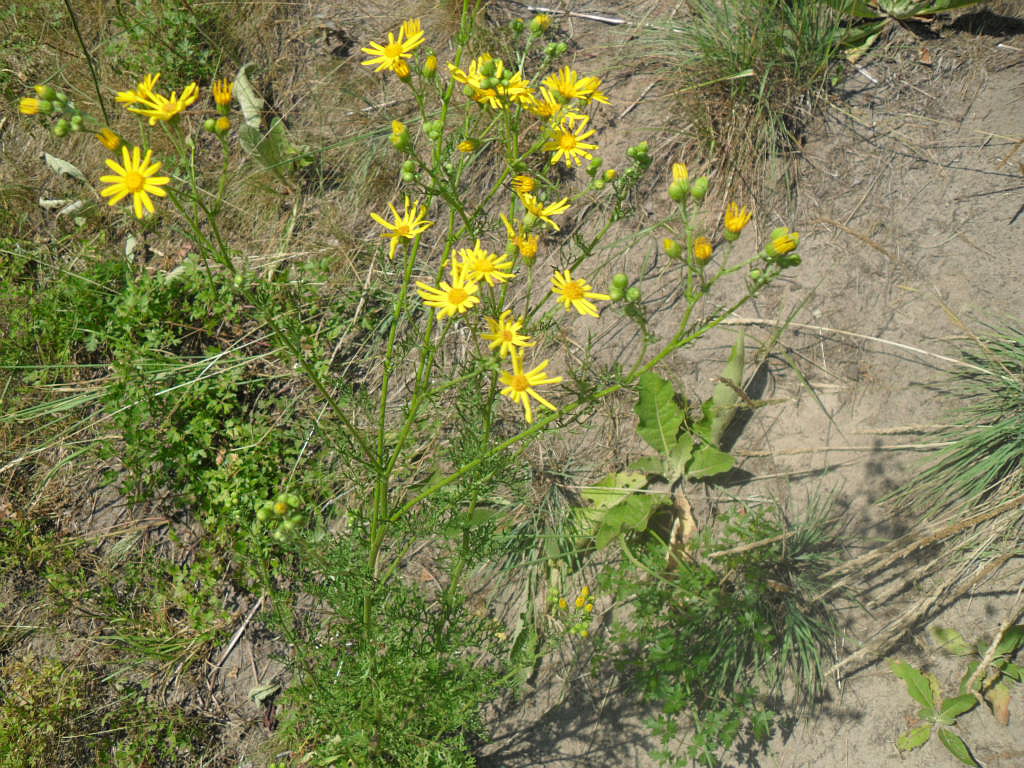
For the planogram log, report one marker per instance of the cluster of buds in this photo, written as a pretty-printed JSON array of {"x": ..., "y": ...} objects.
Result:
[
  {"x": 621, "y": 290},
  {"x": 681, "y": 189},
  {"x": 51, "y": 103},
  {"x": 599, "y": 179},
  {"x": 778, "y": 254},
  {"x": 579, "y": 613},
  {"x": 280, "y": 515},
  {"x": 222, "y": 90}
]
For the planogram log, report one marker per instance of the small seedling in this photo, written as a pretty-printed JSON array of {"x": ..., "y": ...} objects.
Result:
[{"x": 938, "y": 713}]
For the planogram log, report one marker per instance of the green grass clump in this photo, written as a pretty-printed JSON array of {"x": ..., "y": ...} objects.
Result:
[
  {"x": 987, "y": 437},
  {"x": 748, "y": 71}
]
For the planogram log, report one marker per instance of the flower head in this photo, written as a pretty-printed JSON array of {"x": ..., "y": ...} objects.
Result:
[
  {"x": 575, "y": 293},
  {"x": 566, "y": 84},
  {"x": 159, "y": 107},
  {"x": 567, "y": 141},
  {"x": 458, "y": 296},
  {"x": 783, "y": 241},
  {"x": 735, "y": 220},
  {"x": 504, "y": 335},
  {"x": 544, "y": 212},
  {"x": 680, "y": 172},
  {"x": 109, "y": 139},
  {"x": 489, "y": 82},
  {"x": 519, "y": 385},
  {"x": 29, "y": 106},
  {"x": 524, "y": 243},
  {"x": 410, "y": 37},
  {"x": 134, "y": 177},
  {"x": 483, "y": 266},
  {"x": 523, "y": 184},
  {"x": 142, "y": 92},
  {"x": 702, "y": 249},
  {"x": 222, "y": 90},
  {"x": 406, "y": 226},
  {"x": 468, "y": 145}
]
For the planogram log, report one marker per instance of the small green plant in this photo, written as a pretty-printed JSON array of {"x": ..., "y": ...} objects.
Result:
[
  {"x": 1000, "y": 671},
  {"x": 720, "y": 629},
  {"x": 939, "y": 713},
  {"x": 873, "y": 18}
]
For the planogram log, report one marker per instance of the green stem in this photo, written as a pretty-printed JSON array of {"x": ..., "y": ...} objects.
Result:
[{"x": 89, "y": 61}]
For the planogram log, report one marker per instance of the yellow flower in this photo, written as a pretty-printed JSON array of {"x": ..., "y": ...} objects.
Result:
[
  {"x": 519, "y": 386},
  {"x": 680, "y": 172},
  {"x": 142, "y": 92},
  {"x": 574, "y": 294},
  {"x": 410, "y": 37},
  {"x": 468, "y": 145},
  {"x": 406, "y": 226},
  {"x": 222, "y": 90},
  {"x": 222, "y": 125},
  {"x": 544, "y": 212},
  {"x": 29, "y": 106},
  {"x": 548, "y": 108},
  {"x": 522, "y": 184},
  {"x": 568, "y": 143},
  {"x": 592, "y": 85},
  {"x": 430, "y": 65},
  {"x": 483, "y": 266},
  {"x": 504, "y": 335},
  {"x": 135, "y": 177},
  {"x": 158, "y": 107},
  {"x": 450, "y": 298},
  {"x": 540, "y": 23},
  {"x": 702, "y": 249},
  {"x": 524, "y": 243},
  {"x": 566, "y": 84},
  {"x": 735, "y": 220},
  {"x": 109, "y": 139},
  {"x": 782, "y": 243},
  {"x": 402, "y": 69},
  {"x": 490, "y": 83}
]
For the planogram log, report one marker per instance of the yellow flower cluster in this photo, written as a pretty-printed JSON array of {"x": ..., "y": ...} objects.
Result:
[{"x": 146, "y": 101}]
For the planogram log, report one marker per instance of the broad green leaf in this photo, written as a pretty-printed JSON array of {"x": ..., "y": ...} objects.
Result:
[
  {"x": 675, "y": 462},
  {"x": 914, "y": 738},
  {"x": 63, "y": 167},
  {"x": 952, "y": 641},
  {"x": 936, "y": 687},
  {"x": 1012, "y": 640},
  {"x": 660, "y": 417},
  {"x": 968, "y": 674},
  {"x": 251, "y": 104},
  {"x": 1014, "y": 672},
  {"x": 613, "y": 488},
  {"x": 951, "y": 709},
  {"x": 859, "y": 8},
  {"x": 917, "y": 684},
  {"x": 651, "y": 465},
  {"x": 708, "y": 461},
  {"x": 633, "y": 512},
  {"x": 941, "y": 6},
  {"x": 999, "y": 699},
  {"x": 725, "y": 398},
  {"x": 957, "y": 748}
]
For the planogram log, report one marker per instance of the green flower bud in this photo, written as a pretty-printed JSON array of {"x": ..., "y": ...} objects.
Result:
[
  {"x": 679, "y": 190},
  {"x": 620, "y": 280},
  {"x": 60, "y": 97},
  {"x": 518, "y": 25},
  {"x": 61, "y": 128},
  {"x": 673, "y": 248},
  {"x": 633, "y": 294},
  {"x": 595, "y": 166},
  {"x": 210, "y": 124},
  {"x": 561, "y": 48},
  {"x": 46, "y": 107},
  {"x": 598, "y": 183},
  {"x": 699, "y": 189},
  {"x": 615, "y": 293},
  {"x": 539, "y": 24},
  {"x": 45, "y": 92}
]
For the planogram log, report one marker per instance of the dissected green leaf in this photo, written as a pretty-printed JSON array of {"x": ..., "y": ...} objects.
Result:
[
  {"x": 951, "y": 709},
  {"x": 709, "y": 461},
  {"x": 914, "y": 738},
  {"x": 63, "y": 167},
  {"x": 660, "y": 417},
  {"x": 613, "y": 488},
  {"x": 957, "y": 748},
  {"x": 917, "y": 684},
  {"x": 952, "y": 641}
]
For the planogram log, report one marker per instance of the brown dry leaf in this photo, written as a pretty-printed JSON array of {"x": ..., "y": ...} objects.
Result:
[
  {"x": 684, "y": 527},
  {"x": 925, "y": 56},
  {"x": 999, "y": 698}
]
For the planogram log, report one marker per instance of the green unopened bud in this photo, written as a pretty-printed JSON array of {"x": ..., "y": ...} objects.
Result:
[
  {"x": 60, "y": 97},
  {"x": 620, "y": 280},
  {"x": 616, "y": 293},
  {"x": 672, "y": 248},
  {"x": 518, "y": 25},
  {"x": 561, "y": 48},
  {"x": 595, "y": 166},
  {"x": 430, "y": 66},
  {"x": 210, "y": 124},
  {"x": 539, "y": 24},
  {"x": 598, "y": 184},
  {"x": 679, "y": 190},
  {"x": 61, "y": 128},
  {"x": 610, "y": 174},
  {"x": 488, "y": 68},
  {"x": 46, "y": 107},
  {"x": 45, "y": 92},
  {"x": 699, "y": 188},
  {"x": 76, "y": 123},
  {"x": 633, "y": 294},
  {"x": 756, "y": 275}
]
